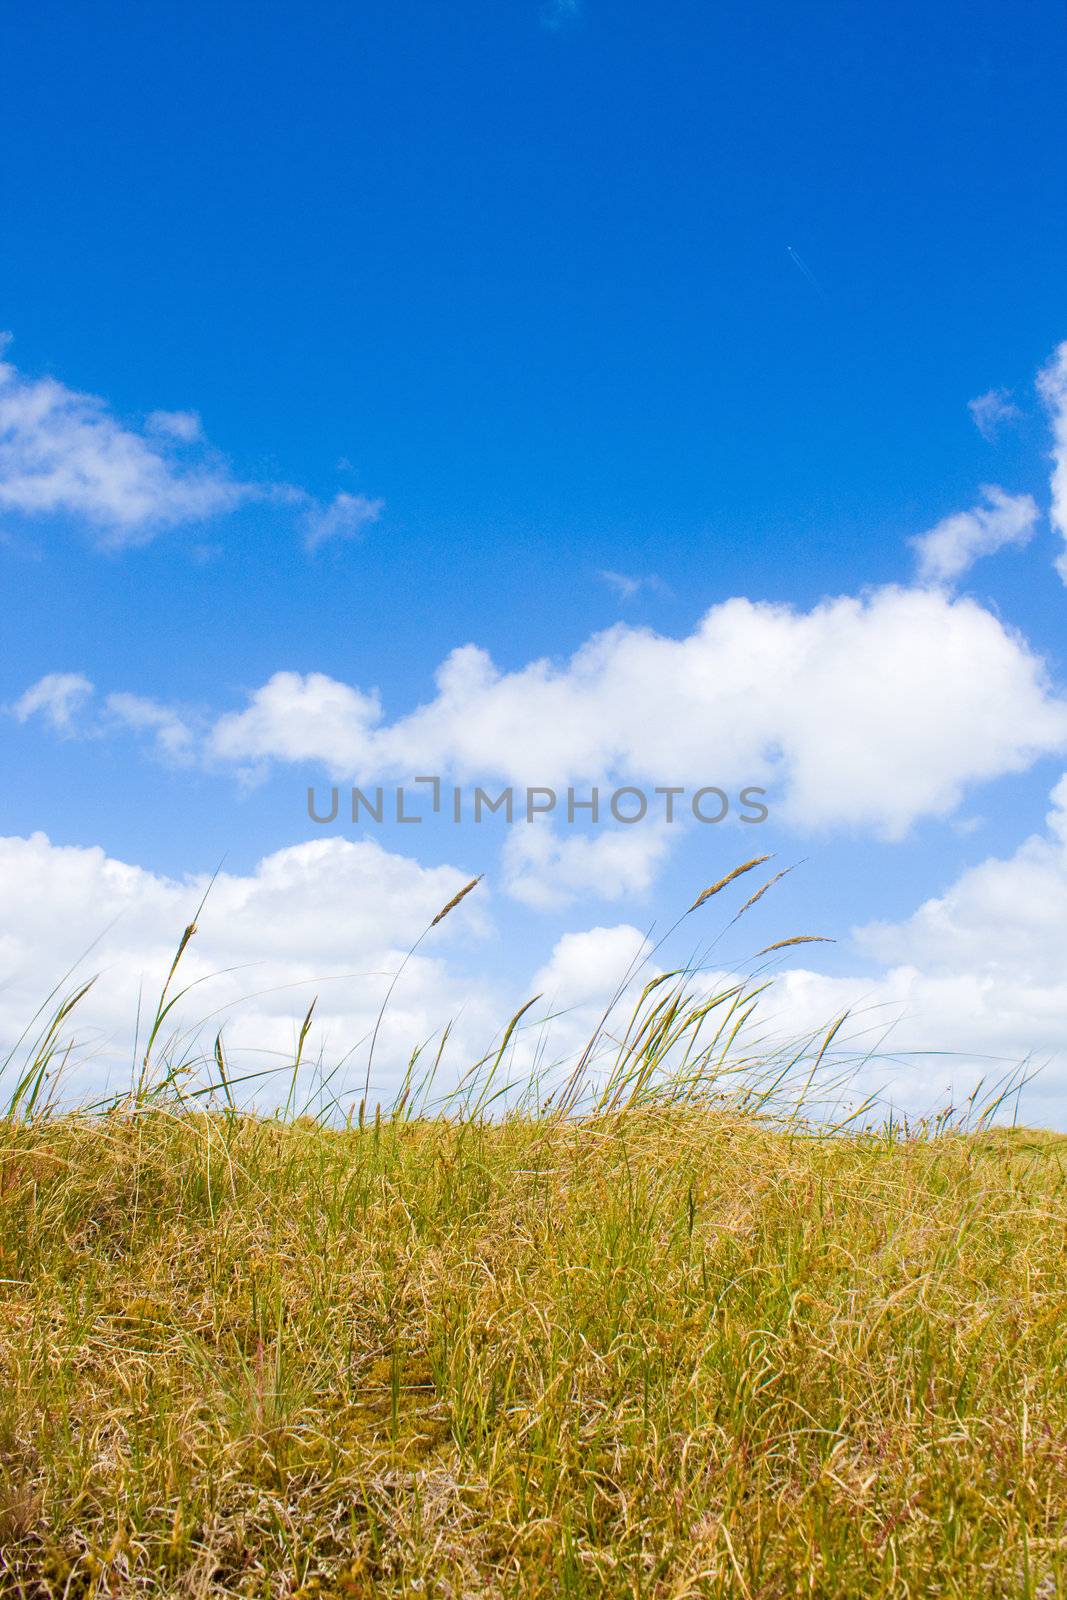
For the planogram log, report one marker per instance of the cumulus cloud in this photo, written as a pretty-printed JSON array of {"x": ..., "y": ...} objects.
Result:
[
  {"x": 55, "y": 697},
  {"x": 346, "y": 517},
  {"x": 993, "y": 411},
  {"x": 974, "y": 982},
  {"x": 547, "y": 870},
  {"x": 586, "y": 972},
  {"x": 64, "y": 452},
  {"x": 586, "y": 968},
  {"x": 331, "y": 918},
  {"x": 297, "y": 718},
  {"x": 956, "y": 543},
  {"x": 865, "y": 712},
  {"x": 1052, "y": 386}
]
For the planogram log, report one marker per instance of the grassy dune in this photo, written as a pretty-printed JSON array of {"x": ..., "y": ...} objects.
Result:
[
  {"x": 652, "y": 1325},
  {"x": 661, "y": 1350}
]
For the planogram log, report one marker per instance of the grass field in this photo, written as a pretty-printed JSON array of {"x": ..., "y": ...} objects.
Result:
[
  {"x": 657, "y": 1333},
  {"x": 651, "y": 1352}
]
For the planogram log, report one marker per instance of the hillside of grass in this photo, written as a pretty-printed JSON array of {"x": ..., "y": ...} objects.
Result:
[{"x": 656, "y": 1351}]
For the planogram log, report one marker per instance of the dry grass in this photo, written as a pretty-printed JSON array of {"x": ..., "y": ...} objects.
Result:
[
  {"x": 656, "y": 1329},
  {"x": 659, "y": 1351}
]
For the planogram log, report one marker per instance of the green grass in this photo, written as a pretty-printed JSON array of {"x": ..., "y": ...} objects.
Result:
[
  {"x": 661, "y": 1351},
  {"x": 656, "y": 1325}
]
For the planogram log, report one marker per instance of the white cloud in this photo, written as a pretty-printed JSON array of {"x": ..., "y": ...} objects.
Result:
[
  {"x": 956, "y": 543},
  {"x": 626, "y": 587},
  {"x": 586, "y": 972},
  {"x": 331, "y": 917},
  {"x": 1052, "y": 385},
  {"x": 971, "y": 984},
  {"x": 546, "y": 870},
  {"x": 63, "y": 452},
  {"x": 55, "y": 697},
  {"x": 182, "y": 425},
  {"x": 60, "y": 698},
  {"x": 346, "y": 517},
  {"x": 1002, "y": 916},
  {"x": 865, "y": 712},
  {"x": 992, "y": 411},
  {"x": 586, "y": 968},
  {"x": 974, "y": 981},
  {"x": 174, "y": 737},
  {"x": 297, "y": 719}
]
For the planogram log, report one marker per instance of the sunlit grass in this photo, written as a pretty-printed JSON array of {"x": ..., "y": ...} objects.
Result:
[{"x": 647, "y": 1329}]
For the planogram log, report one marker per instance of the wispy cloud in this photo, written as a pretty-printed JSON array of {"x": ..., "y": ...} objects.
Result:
[
  {"x": 1052, "y": 386},
  {"x": 65, "y": 453},
  {"x": 346, "y": 517},
  {"x": 67, "y": 702},
  {"x": 174, "y": 738},
  {"x": 561, "y": 13},
  {"x": 182, "y": 425},
  {"x": 62, "y": 451},
  {"x": 993, "y": 411},
  {"x": 958, "y": 541},
  {"x": 57, "y": 697},
  {"x": 627, "y": 586}
]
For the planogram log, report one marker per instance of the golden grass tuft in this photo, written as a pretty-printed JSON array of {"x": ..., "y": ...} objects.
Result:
[
  {"x": 455, "y": 900},
  {"x": 716, "y": 888}
]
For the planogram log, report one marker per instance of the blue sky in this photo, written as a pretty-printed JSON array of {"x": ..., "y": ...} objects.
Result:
[{"x": 698, "y": 296}]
